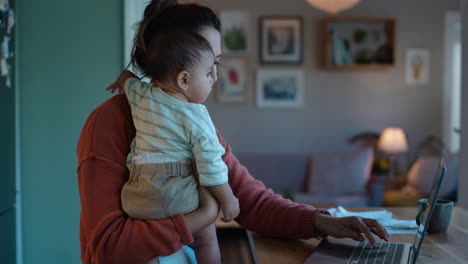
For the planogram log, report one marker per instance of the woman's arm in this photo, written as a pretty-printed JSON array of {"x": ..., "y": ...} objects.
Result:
[
  {"x": 263, "y": 211},
  {"x": 108, "y": 235},
  {"x": 268, "y": 213}
]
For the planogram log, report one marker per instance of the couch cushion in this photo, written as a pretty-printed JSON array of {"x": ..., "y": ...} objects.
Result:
[
  {"x": 339, "y": 173},
  {"x": 278, "y": 171},
  {"x": 422, "y": 173}
]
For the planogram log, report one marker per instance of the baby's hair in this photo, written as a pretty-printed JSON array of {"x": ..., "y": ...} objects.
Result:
[
  {"x": 164, "y": 16},
  {"x": 173, "y": 51}
]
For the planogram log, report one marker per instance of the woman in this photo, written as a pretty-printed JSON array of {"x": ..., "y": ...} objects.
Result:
[{"x": 108, "y": 235}]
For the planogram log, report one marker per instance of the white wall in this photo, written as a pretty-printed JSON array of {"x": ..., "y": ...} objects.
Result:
[{"x": 463, "y": 180}]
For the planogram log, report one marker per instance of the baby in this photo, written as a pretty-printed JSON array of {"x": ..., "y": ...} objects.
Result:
[{"x": 175, "y": 147}]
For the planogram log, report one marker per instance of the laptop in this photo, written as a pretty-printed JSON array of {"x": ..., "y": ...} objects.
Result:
[{"x": 348, "y": 251}]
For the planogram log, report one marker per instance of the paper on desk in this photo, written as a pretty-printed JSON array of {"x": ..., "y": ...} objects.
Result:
[
  {"x": 393, "y": 226},
  {"x": 381, "y": 215},
  {"x": 396, "y": 226}
]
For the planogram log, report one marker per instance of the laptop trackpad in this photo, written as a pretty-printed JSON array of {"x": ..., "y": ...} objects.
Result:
[{"x": 332, "y": 251}]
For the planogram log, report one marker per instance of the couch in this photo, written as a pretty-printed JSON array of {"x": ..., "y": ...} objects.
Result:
[
  {"x": 321, "y": 178},
  {"x": 343, "y": 178}
]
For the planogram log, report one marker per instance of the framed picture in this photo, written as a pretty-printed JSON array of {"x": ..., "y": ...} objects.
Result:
[
  {"x": 280, "y": 88},
  {"x": 417, "y": 66},
  {"x": 235, "y": 32},
  {"x": 232, "y": 81},
  {"x": 281, "y": 39},
  {"x": 358, "y": 43}
]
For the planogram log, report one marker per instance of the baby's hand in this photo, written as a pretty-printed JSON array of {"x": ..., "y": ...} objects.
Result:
[
  {"x": 120, "y": 82},
  {"x": 113, "y": 87},
  {"x": 230, "y": 209}
]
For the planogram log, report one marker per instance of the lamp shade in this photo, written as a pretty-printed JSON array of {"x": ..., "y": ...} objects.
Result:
[
  {"x": 333, "y": 6},
  {"x": 393, "y": 140}
]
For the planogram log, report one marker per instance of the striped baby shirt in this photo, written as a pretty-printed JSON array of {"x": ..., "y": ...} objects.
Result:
[{"x": 168, "y": 130}]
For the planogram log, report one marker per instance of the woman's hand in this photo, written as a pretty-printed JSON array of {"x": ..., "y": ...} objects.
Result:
[
  {"x": 354, "y": 227},
  {"x": 206, "y": 212}
]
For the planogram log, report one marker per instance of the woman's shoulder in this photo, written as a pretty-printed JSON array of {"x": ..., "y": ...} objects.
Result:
[
  {"x": 110, "y": 116},
  {"x": 116, "y": 104}
]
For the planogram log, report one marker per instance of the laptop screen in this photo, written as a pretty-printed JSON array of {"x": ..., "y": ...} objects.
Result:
[{"x": 426, "y": 217}]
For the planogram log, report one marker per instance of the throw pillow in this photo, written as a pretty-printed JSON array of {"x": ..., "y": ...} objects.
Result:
[
  {"x": 422, "y": 173},
  {"x": 339, "y": 173}
]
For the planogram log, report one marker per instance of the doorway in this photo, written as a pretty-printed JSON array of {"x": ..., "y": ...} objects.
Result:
[{"x": 452, "y": 82}]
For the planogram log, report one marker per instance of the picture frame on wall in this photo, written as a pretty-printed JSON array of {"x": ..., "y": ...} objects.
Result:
[
  {"x": 280, "y": 88},
  {"x": 235, "y": 33},
  {"x": 417, "y": 66},
  {"x": 281, "y": 39},
  {"x": 232, "y": 81},
  {"x": 358, "y": 43}
]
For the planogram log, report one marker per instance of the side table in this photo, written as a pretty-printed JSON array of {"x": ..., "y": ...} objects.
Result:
[
  {"x": 375, "y": 189},
  {"x": 379, "y": 184}
]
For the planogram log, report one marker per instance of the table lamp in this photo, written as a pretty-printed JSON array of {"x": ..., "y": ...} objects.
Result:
[
  {"x": 333, "y": 6},
  {"x": 393, "y": 141}
]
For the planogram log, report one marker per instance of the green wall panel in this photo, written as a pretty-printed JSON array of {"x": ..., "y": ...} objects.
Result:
[{"x": 70, "y": 51}]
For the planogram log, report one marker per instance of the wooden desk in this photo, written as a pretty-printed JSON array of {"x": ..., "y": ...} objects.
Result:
[{"x": 449, "y": 247}]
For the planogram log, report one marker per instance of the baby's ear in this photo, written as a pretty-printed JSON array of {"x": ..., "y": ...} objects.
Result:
[{"x": 183, "y": 79}]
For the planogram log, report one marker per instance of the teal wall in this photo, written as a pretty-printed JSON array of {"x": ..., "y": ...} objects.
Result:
[{"x": 69, "y": 52}]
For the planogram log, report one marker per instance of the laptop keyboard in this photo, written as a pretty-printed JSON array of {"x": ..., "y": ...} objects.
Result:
[{"x": 386, "y": 253}]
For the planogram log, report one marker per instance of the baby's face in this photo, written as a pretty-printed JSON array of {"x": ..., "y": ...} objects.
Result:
[{"x": 202, "y": 78}]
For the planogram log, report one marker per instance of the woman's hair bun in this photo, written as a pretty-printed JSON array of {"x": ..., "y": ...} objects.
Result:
[{"x": 156, "y": 7}]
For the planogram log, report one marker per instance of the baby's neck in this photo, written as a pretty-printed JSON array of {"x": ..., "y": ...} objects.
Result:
[
  {"x": 176, "y": 95},
  {"x": 171, "y": 91}
]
